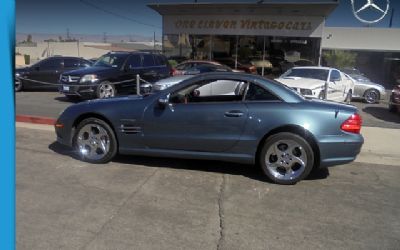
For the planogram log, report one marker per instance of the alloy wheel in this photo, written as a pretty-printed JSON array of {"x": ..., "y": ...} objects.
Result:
[
  {"x": 106, "y": 91},
  {"x": 286, "y": 159},
  {"x": 93, "y": 142}
]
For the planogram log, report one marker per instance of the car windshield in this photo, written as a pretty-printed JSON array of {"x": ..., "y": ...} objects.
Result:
[
  {"x": 111, "y": 60},
  {"x": 320, "y": 74}
]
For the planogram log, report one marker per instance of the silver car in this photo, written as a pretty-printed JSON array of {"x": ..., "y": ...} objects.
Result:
[{"x": 367, "y": 90}]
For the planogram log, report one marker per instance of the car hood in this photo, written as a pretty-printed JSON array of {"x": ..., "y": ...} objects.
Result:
[
  {"x": 299, "y": 82},
  {"x": 97, "y": 70},
  {"x": 21, "y": 70}
]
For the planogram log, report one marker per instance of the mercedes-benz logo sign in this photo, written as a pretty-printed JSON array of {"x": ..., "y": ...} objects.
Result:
[{"x": 371, "y": 5}]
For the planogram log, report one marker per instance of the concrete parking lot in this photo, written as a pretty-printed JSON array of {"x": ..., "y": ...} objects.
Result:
[{"x": 161, "y": 203}]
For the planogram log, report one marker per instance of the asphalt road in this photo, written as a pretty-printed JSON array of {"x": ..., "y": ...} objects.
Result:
[
  {"x": 50, "y": 104},
  {"x": 150, "y": 203}
]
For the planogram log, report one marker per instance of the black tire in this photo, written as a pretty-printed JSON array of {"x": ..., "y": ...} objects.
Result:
[
  {"x": 18, "y": 87},
  {"x": 113, "y": 145},
  {"x": 73, "y": 98},
  {"x": 301, "y": 142},
  {"x": 392, "y": 108},
  {"x": 105, "y": 84},
  {"x": 348, "y": 97},
  {"x": 371, "y": 96}
]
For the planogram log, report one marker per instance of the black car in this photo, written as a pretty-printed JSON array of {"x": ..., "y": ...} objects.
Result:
[
  {"x": 113, "y": 73},
  {"x": 47, "y": 71}
]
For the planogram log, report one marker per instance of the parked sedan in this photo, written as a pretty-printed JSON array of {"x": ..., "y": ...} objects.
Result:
[
  {"x": 192, "y": 67},
  {"x": 48, "y": 71},
  {"x": 312, "y": 81},
  {"x": 394, "y": 103},
  {"x": 248, "y": 119},
  {"x": 367, "y": 90}
]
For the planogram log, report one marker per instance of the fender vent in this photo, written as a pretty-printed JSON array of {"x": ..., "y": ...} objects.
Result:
[{"x": 130, "y": 129}]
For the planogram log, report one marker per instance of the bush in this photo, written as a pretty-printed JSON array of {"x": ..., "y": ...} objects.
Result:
[
  {"x": 173, "y": 63},
  {"x": 340, "y": 59}
]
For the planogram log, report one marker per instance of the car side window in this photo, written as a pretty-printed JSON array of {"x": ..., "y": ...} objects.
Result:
[
  {"x": 258, "y": 93},
  {"x": 71, "y": 63},
  {"x": 160, "y": 60},
  {"x": 84, "y": 63},
  {"x": 211, "y": 91},
  {"x": 51, "y": 64},
  {"x": 148, "y": 60},
  {"x": 335, "y": 76},
  {"x": 135, "y": 61}
]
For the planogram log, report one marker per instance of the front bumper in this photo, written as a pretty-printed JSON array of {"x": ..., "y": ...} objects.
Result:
[{"x": 74, "y": 90}]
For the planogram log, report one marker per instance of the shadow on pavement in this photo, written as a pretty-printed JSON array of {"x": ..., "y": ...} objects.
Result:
[
  {"x": 249, "y": 171},
  {"x": 382, "y": 113},
  {"x": 66, "y": 99}
]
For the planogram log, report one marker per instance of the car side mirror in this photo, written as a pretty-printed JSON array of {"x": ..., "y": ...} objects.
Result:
[{"x": 163, "y": 101}]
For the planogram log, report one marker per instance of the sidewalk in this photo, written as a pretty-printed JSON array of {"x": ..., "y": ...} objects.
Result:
[{"x": 381, "y": 146}]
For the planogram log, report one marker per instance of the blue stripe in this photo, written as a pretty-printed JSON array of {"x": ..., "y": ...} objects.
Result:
[{"x": 7, "y": 125}]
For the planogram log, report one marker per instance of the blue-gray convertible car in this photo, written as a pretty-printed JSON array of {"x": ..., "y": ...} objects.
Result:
[{"x": 220, "y": 116}]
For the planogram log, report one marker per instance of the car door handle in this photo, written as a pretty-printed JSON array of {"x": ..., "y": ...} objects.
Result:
[{"x": 234, "y": 113}]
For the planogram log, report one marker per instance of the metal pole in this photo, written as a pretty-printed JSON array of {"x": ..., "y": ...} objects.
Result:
[
  {"x": 154, "y": 41},
  {"x": 236, "y": 50},
  {"x": 78, "y": 46},
  {"x": 327, "y": 85},
  {"x": 138, "y": 84},
  {"x": 263, "y": 59}
]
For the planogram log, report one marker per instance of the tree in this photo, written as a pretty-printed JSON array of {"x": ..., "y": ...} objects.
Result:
[{"x": 340, "y": 58}]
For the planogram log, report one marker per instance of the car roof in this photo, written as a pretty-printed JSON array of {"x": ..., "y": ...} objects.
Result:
[{"x": 201, "y": 61}]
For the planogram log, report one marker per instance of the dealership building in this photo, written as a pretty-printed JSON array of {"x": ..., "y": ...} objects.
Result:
[{"x": 274, "y": 31}]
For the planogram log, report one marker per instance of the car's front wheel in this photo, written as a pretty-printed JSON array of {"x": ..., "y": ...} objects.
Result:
[
  {"x": 95, "y": 141},
  {"x": 286, "y": 158}
]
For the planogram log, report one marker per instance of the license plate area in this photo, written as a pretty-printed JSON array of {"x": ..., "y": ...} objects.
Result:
[{"x": 66, "y": 88}]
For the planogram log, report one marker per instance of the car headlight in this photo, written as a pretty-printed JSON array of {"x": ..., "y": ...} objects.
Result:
[
  {"x": 17, "y": 75},
  {"x": 305, "y": 91},
  {"x": 89, "y": 78}
]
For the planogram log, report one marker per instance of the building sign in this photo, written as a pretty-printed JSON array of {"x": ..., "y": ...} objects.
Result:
[{"x": 295, "y": 26}]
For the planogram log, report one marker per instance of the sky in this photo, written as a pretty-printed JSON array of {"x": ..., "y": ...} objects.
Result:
[{"x": 122, "y": 17}]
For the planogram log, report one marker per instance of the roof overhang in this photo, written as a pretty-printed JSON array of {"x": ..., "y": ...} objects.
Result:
[{"x": 307, "y": 8}]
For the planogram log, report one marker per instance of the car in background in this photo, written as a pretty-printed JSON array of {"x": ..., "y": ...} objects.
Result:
[
  {"x": 114, "y": 73},
  {"x": 311, "y": 82},
  {"x": 259, "y": 63},
  {"x": 47, "y": 71},
  {"x": 204, "y": 117},
  {"x": 241, "y": 66},
  {"x": 199, "y": 66},
  {"x": 367, "y": 90},
  {"x": 394, "y": 100}
]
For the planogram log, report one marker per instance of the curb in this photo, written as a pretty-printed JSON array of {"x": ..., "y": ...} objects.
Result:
[{"x": 35, "y": 119}]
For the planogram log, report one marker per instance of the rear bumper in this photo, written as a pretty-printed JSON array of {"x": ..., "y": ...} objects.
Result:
[{"x": 337, "y": 150}]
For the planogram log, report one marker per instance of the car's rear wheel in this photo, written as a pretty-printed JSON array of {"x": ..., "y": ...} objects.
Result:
[
  {"x": 371, "y": 96},
  {"x": 95, "y": 141},
  {"x": 286, "y": 158},
  {"x": 106, "y": 90},
  {"x": 18, "y": 85}
]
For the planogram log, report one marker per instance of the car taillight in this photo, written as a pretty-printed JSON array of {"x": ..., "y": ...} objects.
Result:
[
  {"x": 172, "y": 72},
  {"x": 253, "y": 69},
  {"x": 352, "y": 124}
]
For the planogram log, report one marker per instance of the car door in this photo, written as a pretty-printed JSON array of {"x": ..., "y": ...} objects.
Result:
[
  {"x": 194, "y": 121},
  {"x": 335, "y": 84},
  {"x": 132, "y": 67},
  {"x": 46, "y": 71},
  {"x": 149, "y": 71}
]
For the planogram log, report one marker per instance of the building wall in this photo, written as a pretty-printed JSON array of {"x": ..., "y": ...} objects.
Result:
[{"x": 371, "y": 39}]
